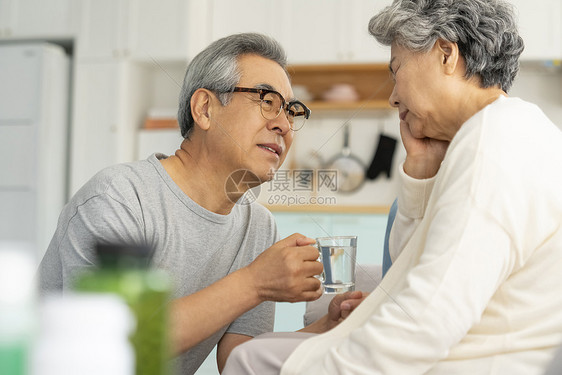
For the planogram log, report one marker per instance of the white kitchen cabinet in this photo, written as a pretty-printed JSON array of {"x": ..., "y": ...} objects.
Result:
[
  {"x": 231, "y": 17},
  {"x": 102, "y": 32},
  {"x": 7, "y": 17},
  {"x": 312, "y": 31},
  {"x": 332, "y": 32},
  {"x": 140, "y": 30},
  {"x": 37, "y": 18},
  {"x": 289, "y": 22},
  {"x": 335, "y": 31},
  {"x": 158, "y": 30},
  {"x": 540, "y": 25},
  {"x": 110, "y": 99},
  {"x": 97, "y": 96},
  {"x": 198, "y": 26},
  {"x": 33, "y": 141},
  {"x": 362, "y": 46}
]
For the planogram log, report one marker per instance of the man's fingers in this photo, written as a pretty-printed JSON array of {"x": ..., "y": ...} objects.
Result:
[
  {"x": 294, "y": 240},
  {"x": 312, "y": 295},
  {"x": 305, "y": 241},
  {"x": 312, "y": 268},
  {"x": 308, "y": 252},
  {"x": 312, "y": 284}
]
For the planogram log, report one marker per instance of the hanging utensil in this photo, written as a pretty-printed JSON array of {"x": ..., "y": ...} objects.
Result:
[{"x": 349, "y": 168}]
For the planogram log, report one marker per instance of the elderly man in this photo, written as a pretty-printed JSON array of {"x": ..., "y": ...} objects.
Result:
[{"x": 237, "y": 116}]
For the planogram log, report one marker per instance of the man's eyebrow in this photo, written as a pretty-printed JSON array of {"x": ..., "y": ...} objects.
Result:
[
  {"x": 265, "y": 86},
  {"x": 269, "y": 87}
]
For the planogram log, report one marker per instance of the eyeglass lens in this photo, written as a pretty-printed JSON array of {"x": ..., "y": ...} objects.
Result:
[{"x": 272, "y": 105}]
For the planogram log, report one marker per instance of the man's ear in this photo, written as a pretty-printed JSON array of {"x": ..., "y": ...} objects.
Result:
[
  {"x": 201, "y": 101},
  {"x": 449, "y": 55}
]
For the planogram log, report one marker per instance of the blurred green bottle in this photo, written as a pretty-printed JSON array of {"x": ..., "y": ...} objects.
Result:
[{"x": 124, "y": 270}]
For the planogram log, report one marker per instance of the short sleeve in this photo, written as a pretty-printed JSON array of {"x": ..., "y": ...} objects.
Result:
[
  {"x": 100, "y": 218},
  {"x": 256, "y": 321}
]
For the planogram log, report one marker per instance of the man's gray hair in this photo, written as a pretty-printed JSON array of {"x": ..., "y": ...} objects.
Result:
[
  {"x": 216, "y": 69},
  {"x": 484, "y": 30}
]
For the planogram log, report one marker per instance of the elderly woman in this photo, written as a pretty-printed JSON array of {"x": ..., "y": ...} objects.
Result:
[{"x": 477, "y": 244}]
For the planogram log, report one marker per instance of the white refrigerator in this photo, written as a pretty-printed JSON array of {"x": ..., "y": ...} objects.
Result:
[{"x": 34, "y": 102}]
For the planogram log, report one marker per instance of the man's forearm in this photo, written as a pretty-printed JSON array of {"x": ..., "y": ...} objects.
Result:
[{"x": 196, "y": 317}]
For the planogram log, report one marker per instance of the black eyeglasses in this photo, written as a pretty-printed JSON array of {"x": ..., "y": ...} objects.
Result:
[{"x": 272, "y": 103}]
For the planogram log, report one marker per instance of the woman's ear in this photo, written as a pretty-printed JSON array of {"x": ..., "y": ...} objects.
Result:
[
  {"x": 449, "y": 54},
  {"x": 200, "y": 108}
]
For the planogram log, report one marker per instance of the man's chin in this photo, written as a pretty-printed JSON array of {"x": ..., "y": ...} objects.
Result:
[
  {"x": 269, "y": 175},
  {"x": 265, "y": 175}
]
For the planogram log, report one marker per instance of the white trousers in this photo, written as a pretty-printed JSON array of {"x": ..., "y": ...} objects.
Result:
[{"x": 264, "y": 354}]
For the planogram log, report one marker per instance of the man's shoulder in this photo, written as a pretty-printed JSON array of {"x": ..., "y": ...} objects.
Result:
[
  {"x": 260, "y": 210},
  {"x": 125, "y": 172},
  {"x": 257, "y": 213},
  {"x": 119, "y": 178}
]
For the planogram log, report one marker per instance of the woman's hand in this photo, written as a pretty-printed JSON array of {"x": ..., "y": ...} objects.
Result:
[
  {"x": 343, "y": 304},
  {"x": 423, "y": 155},
  {"x": 339, "y": 308}
]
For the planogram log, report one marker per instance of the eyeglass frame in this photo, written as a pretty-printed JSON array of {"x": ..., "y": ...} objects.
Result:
[{"x": 284, "y": 104}]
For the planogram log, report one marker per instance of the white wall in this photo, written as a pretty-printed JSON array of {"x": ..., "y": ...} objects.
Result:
[{"x": 541, "y": 84}]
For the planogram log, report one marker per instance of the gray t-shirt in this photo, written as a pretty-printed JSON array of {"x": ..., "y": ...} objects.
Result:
[{"x": 139, "y": 203}]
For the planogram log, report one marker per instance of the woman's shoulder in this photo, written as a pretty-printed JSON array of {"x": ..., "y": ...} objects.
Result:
[
  {"x": 515, "y": 113},
  {"x": 508, "y": 131},
  {"x": 517, "y": 130}
]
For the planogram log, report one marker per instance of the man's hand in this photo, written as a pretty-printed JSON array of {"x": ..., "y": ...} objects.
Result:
[
  {"x": 285, "y": 272},
  {"x": 424, "y": 156}
]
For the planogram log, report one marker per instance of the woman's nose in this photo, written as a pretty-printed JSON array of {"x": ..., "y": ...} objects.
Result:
[{"x": 393, "y": 99}]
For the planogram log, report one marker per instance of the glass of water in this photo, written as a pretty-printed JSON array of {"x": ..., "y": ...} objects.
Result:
[{"x": 338, "y": 258}]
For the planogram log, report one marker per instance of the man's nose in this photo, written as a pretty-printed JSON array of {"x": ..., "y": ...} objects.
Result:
[{"x": 280, "y": 124}]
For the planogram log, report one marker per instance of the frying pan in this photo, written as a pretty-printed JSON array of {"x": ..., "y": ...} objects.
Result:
[{"x": 350, "y": 169}]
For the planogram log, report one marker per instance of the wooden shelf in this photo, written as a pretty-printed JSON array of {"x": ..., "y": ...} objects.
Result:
[
  {"x": 161, "y": 123},
  {"x": 371, "y": 81},
  {"x": 347, "y": 106},
  {"x": 330, "y": 209}
]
